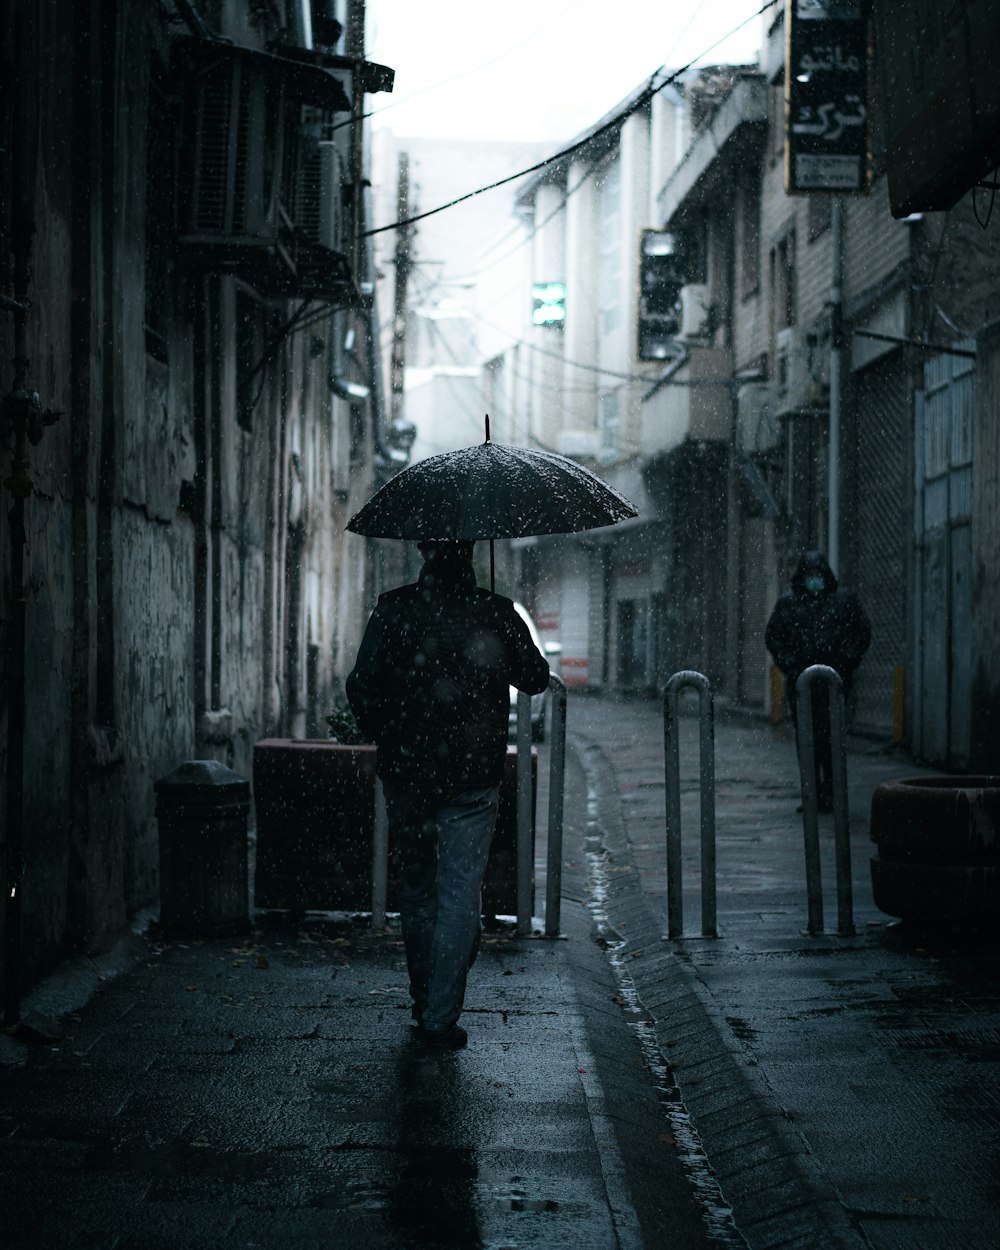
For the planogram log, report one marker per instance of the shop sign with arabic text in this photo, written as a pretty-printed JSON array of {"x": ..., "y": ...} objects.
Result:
[{"x": 826, "y": 96}]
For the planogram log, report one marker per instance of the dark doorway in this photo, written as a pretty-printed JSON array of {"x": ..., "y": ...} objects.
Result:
[{"x": 632, "y": 642}]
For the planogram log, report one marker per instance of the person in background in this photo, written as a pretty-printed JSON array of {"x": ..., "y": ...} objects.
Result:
[
  {"x": 818, "y": 622},
  {"x": 430, "y": 687}
]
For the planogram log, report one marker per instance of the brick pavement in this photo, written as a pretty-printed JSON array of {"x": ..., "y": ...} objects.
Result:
[
  {"x": 844, "y": 1088},
  {"x": 245, "y": 1094}
]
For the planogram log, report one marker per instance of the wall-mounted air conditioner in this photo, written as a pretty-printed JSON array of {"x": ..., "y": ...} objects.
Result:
[
  {"x": 234, "y": 149},
  {"x": 695, "y": 317},
  {"x": 795, "y": 387},
  {"x": 319, "y": 197},
  {"x": 758, "y": 427},
  {"x": 784, "y": 345},
  {"x": 261, "y": 191}
]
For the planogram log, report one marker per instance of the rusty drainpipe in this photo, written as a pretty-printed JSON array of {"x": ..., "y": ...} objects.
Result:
[{"x": 23, "y": 412}]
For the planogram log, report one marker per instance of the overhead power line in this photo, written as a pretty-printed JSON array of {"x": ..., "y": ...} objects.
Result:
[{"x": 653, "y": 87}]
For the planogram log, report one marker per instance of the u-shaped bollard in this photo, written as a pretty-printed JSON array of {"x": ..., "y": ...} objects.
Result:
[
  {"x": 557, "y": 778},
  {"x": 672, "y": 770},
  {"x": 838, "y": 779}
]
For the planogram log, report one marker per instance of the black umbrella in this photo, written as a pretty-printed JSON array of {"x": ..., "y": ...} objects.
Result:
[{"x": 490, "y": 491}]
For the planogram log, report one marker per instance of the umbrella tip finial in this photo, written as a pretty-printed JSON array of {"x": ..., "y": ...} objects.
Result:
[{"x": 487, "y": 427}]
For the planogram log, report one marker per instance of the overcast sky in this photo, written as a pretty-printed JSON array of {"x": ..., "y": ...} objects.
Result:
[{"x": 536, "y": 69}]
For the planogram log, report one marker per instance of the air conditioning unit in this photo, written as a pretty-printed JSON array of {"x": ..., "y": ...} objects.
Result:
[
  {"x": 785, "y": 369},
  {"x": 794, "y": 387},
  {"x": 319, "y": 196},
  {"x": 758, "y": 428},
  {"x": 695, "y": 307},
  {"x": 233, "y": 148}
]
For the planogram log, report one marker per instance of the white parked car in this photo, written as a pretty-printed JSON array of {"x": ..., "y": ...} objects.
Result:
[{"x": 539, "y": 702}]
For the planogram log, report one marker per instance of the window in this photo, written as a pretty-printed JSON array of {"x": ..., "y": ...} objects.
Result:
[
  {"x": 776, "y": 97},
  {"x": 750, "y": 233},
  {"x": 783, "y": 286},
  {"x": 818, "y": 214},
  {"x": 610, "y": 248},
  {"x": 610, "y": 407},
  {"x": 696, "y": 249}
]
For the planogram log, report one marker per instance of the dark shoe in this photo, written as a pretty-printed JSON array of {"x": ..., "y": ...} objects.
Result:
[{"x": 445, "y": 1039}]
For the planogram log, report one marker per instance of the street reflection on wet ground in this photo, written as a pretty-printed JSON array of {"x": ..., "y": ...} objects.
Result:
[{"x": 432, "y": 1192}]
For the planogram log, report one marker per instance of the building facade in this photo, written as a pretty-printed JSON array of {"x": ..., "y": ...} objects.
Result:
[
  {"x": 191, "y": 416},
  {"x": 821, "y": 388}
]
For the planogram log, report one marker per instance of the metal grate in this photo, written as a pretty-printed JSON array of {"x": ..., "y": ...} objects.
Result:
[{"x": 212, "y": 157}]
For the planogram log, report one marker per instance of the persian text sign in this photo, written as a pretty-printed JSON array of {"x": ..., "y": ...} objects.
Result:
[{"x": 826, "y": 96}]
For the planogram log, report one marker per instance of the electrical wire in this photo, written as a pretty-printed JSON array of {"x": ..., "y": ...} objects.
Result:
[
  {"x": 589, "y": 173},
  {"x": 596, "y": 369},
  {"x": 475, "y": 69},
  {"x": 652, "y": 88}
]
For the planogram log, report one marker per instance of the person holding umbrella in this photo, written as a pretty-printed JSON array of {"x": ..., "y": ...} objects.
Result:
[
  {"x": 431, "y": 685},
  {"x": 430, "y": 689}
]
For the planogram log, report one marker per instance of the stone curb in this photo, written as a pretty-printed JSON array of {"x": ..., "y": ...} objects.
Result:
[{"x": 778, "y": 1192}]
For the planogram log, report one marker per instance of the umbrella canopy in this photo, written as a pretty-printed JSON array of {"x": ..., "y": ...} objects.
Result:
[{"x": 490, "y": 491}]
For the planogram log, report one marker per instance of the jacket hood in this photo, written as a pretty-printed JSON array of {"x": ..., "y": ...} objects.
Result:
[{"x": 808, "y": 561}]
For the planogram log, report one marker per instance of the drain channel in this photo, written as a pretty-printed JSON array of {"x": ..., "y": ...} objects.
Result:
[{"x": 716, "y": 1212}]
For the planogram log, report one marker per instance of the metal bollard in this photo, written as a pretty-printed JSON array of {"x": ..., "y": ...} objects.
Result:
[
  {"x": 557, "y": 783},
  {"x": 810, "y": 823},
  {"x": 201, "y": 810},
  {"x": 380, "y": 859},
  {"x": 672, "y": 770},
  {"x": 525, "y": 866}
]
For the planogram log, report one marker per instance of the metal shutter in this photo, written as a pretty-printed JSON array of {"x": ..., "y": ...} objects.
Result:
[{"x": 878, "y": 533}]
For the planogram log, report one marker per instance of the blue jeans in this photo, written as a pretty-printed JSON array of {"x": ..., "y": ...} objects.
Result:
[{"x": 442, "y": 837}]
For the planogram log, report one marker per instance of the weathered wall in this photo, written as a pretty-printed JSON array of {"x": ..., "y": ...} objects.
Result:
[
  {"x": 985, "y": 710},
  {"x": 189, "y": 584}
]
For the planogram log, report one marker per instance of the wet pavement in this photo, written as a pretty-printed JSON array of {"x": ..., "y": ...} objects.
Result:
[
  {"x": 845, "y": 1089},
  {"x": 268, "y": 1092},
  {"x": 763, "y": 1088}
]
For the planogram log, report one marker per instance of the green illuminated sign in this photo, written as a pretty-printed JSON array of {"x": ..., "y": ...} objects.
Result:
[{"x": 548, "y": 303}]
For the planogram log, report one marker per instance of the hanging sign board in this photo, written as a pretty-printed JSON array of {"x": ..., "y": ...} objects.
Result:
[{"x": 826, "y": 96}]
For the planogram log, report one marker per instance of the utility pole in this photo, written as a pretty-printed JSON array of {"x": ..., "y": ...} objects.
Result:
[
  {"x": 404, "y": 263},
  {"x": 836, "y": 379}
]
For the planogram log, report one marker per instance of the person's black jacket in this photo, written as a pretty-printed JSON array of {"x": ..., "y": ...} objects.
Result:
[
  {"x": 430, "y": 686},
  {"x": 828, "y": 627}
]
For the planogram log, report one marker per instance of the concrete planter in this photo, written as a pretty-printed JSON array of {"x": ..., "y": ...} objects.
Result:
[
  {"x": 315, "y": 801},
  {"x": 938, "y": 849}
]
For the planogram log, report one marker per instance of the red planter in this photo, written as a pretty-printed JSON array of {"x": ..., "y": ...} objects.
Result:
[
  {"x": 938, "y": 856},
  {"x": 315, "y": 802}
]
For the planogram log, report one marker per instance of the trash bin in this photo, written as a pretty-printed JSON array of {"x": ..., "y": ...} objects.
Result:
[{"x": 201, "y": 809}]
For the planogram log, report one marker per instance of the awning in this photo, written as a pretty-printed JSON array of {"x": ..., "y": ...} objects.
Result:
[{"x": 323, "y": 88}]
